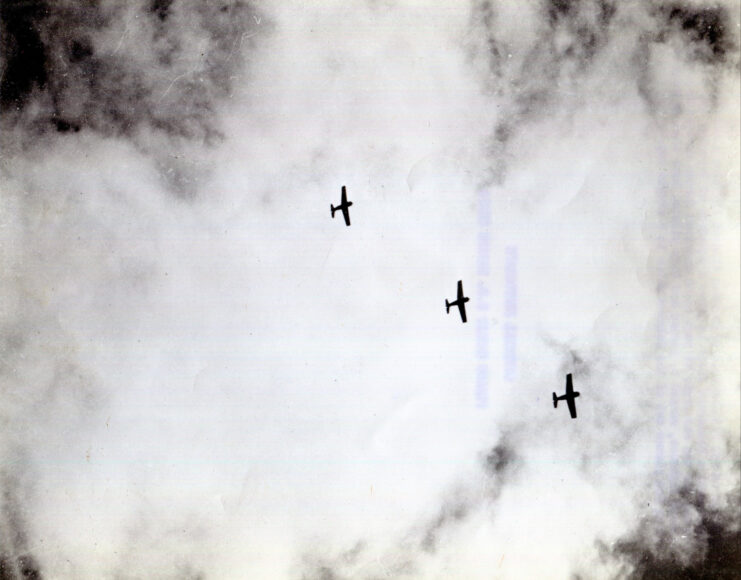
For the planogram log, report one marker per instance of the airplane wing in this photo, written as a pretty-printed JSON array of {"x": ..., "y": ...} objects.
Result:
[
  {"x": 572, "y": 406},
  {"x": 345, "y": 211},
  {"x": 462, "y": 309},
  {"x": 460, "y": 289},
  {"x": 569, "y": 385}
]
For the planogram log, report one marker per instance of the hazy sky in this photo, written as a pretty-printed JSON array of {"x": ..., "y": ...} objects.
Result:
[{"x": 205, "y": 376}]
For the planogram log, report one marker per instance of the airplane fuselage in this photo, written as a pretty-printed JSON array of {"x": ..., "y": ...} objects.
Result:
[
  {"x": 344, "y": 207},
  {"x": 570, "y": 397},
  {"x": 460, "y": 302}
]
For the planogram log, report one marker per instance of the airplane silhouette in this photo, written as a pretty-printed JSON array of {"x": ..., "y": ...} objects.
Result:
[
  {"x": 344, "y": 206},
  {"x": 569, "y": 397},
  {"x": 460, "y": 302}
]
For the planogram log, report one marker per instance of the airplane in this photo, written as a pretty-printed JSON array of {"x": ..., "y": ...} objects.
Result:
[
  {"x": 569, "y": 397},
  {"x": 460, "y": 302},
  {"x": 344, "y": 206}
]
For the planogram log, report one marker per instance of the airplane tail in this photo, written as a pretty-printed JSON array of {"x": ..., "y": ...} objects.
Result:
[
  {"x": 555, "y": 401},
  {"x": 333, "y": 208},
  {"x": 447, "y": 307}
]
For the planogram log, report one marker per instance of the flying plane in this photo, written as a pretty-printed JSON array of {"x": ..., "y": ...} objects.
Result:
[
  {"x": 344, "y": 206},
  {"x": 569, "y": 397},
  {"x": 460, "y": 302}
]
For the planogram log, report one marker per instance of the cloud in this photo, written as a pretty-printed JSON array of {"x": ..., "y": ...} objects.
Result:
[
  {"x": 203, "y": 377},
  {"x": 684, "y": 537}
]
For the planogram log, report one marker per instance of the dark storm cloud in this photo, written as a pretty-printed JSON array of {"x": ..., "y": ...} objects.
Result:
[
  {"x": 19, "y": 568},
  {"x": 117, "y": 67},
  {"x": 684, "y": 538},
  {"x": 692, "y": 34},
  {"x": 161, "y": 8},
  {"x": 23, "y": 52},
  {"x": 15, "y": 560},
  {"x": 584, "y": 27},
  {"x": 530, "y": 76},
  {"x": 533, "y": 77},
  {"x": 704, "y": 28}
]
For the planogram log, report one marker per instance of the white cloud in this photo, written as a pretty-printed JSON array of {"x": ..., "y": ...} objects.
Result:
[{"x": 207, "y": 375}]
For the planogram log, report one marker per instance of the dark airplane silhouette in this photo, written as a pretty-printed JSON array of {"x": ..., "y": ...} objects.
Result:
[
  {"x": 460, "y": 302},
  {"x": 344, "y": 206},
  {"x": 569, "y": 397}
]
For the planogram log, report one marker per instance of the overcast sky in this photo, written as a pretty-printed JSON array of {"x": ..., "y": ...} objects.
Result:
[{"x": 205, "y": 376}]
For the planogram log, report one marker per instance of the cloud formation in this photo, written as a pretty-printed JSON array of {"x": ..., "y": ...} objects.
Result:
[{"x": 203, "y": 377}]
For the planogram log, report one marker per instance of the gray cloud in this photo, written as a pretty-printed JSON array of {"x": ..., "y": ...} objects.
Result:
[
  {"x": 684, "y": 538},
  {"x": 117, "y": 67},
  {"x": 153, "y": 72},
  {"x": 230, "y": 387}
]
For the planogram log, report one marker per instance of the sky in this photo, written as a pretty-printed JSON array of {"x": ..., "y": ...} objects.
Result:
[{"x": 206, "y": 376}]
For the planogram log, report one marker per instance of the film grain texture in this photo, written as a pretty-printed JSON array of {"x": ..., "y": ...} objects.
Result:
[{"x": 205, "y": 376}]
